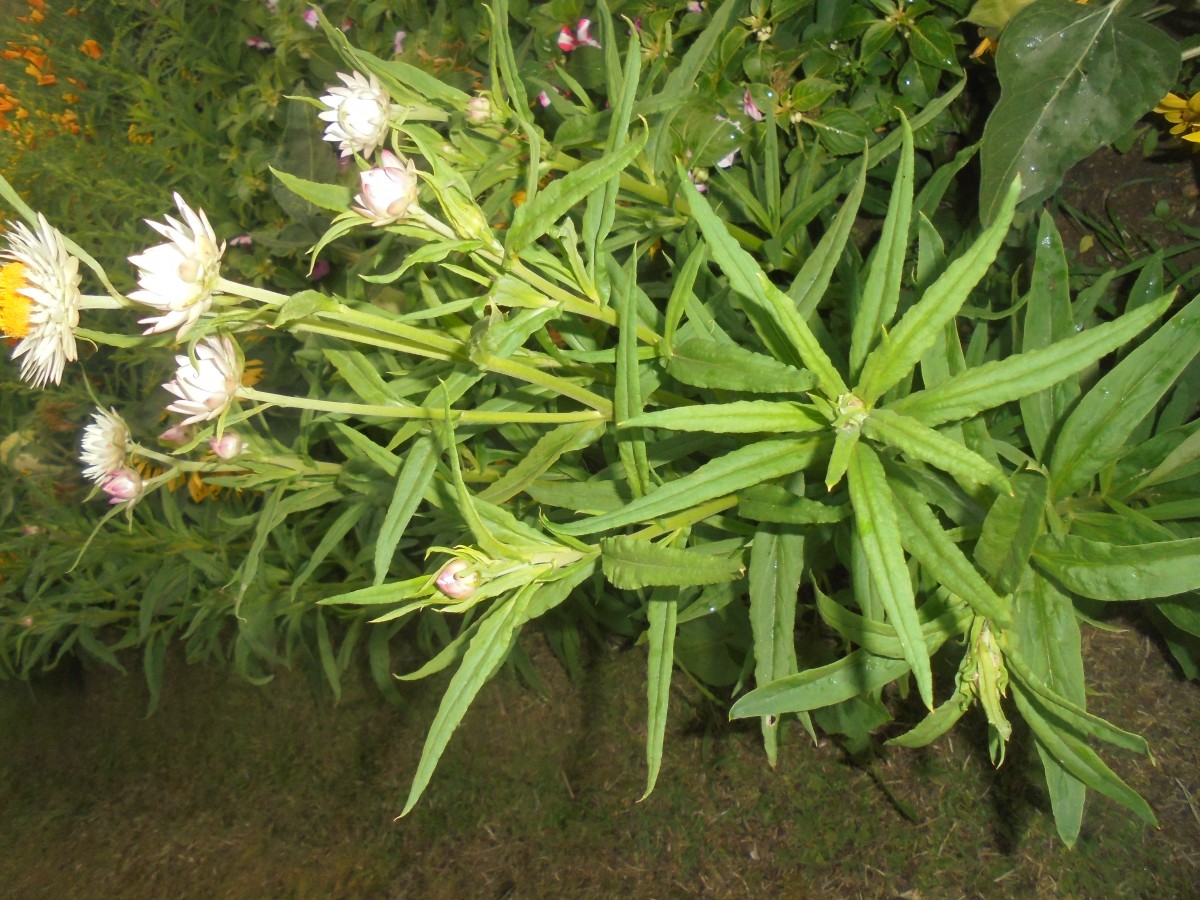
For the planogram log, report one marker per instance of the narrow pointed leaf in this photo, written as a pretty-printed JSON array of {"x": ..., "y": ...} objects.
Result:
[
  {"x": 1101, "y": 422},
  {"x": 920, "y": 442},
  {"x": 1104, "y": 571},
  {"x": 712, "y": 364},
  {"x": 918, "y": 329},
  {"x": 1002, "y": 381},
  {"x": 877, "y": 527},
  {"x": 738, "y": 417},
  {"x": 630, "y": 563},
  {"x": 661, "y": 614}
]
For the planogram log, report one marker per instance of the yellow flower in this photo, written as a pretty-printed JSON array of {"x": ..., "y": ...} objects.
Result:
[{"x": 1183, "y": 114}]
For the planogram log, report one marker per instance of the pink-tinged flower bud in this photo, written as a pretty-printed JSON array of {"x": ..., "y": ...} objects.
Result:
[
  {"x": 727, "y": 160},
  {"x": 242, "y": 240},
  {"x": 543, "y": 99},
  {"x": 31, "y": 530},
  {"x": 122, "y": 486},
  {"x": 310, "y": 18},
  {"x": 479, "y": 109},
  {"x": 457, "y": 580},
  {"x": 398, "y": 42},
  {"x": 228, "y": 445},
  {"x": 750, "y": 108},
  {"x": 177, "y": 435},
  {"x": 389, "y": 191},
  {"x": 566, "y": 40},
  {"x": 695, "y": 6}
]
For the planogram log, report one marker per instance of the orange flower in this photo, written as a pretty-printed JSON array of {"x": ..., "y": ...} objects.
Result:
[
  {"x": 73, "y": 11},
  {"x": 36, "y": 4},
  {"x": 91, "y": 48}
]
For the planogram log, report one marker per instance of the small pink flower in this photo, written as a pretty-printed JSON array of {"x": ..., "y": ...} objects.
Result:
[
  {"x": 347, "y": 24},
  {"x": 479, "y": 109},
  {"x": 257, "y": 43},
  {"x": 583, "y": 34},
  {"x": 122, "y": 486},
  {"x": 457, "y": 580},
  {"x": 727, "y": 160},
  {"x": 31, "y": 530},
  {"x": 695, "y": 6},
  {"x": 310, "y": 18},
  {"x": 750, "y": 108},
  {"x": 242, "y": 240},
  {"x": 319, "y": 270},
  {"x": 543, "y": 98},
  {"x": 398, "y": 42},
  {"x": 566, "y": 40},
  {"x": 228, "y": 446}
]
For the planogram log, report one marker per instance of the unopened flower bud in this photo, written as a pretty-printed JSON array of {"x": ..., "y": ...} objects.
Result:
[
  {"x": 479, "y": 109},
  {"x": 389, "y": 190},
  {"x": 457, "y": 580},
  {"x": 228, "y": 445},
  {"x": 122, "y": 486},
  {"x": 177, "y": 435}
]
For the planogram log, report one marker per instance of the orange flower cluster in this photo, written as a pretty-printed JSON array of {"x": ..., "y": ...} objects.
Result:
[{"x": 20, "y": 119}]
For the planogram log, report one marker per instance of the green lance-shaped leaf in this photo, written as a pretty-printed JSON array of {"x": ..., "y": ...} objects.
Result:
[
  {"x": 1045, "y": 646},
  {"x": 541, "y": 457},
  {"x": 881, "y": 293},
  {"x": 411, "y": 483},
  {"x": 334, "y": 197},
  {"x": 711, "y": 364},
  {"x": 627, "y": 393},
  {"x": 725, "y": 475},
  {"x": 1120, "y": 572},
  {"x": 811, "y": 282},
  {"x": 487, "y": 650},
  {"x": 1101, "y": 422},
  {"x": 776, "y": 566},
  {"x": 738, "y": 417},
  {"x": 1010, "y": 529},
  {"x": 772, "y": 503},
  {"x": 943, "y": 616},
  {"x": 772, "y": 312},
  {"x": 601, "y": 207},
  {"x": 661, "y": 614},
  {"x": 538, "y": 216},
  {"x": 934, "y": 725},
  {"x": 1047, "y": 319},
  {"x": 1076, "y": 758},
  {"x": 1002, "y": 381},
  {"x": 919, "y": 327},
  {"x": 879, "y": 531},
  {"x": 927, "y": 541},
  {"x": 631, "y": 563},
  {"x": 920, "y": 442},
  {"x": 1072, "y": 79},
  {"x": 853, "y": 675}
]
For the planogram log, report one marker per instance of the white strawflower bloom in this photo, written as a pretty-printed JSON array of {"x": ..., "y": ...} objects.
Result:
[
  {"x": 39, "y": 301},
  {"x": 105, "y": 445},
  {"x": 389, "y": 190},
  {"x": 358, "y": 114},
  {"x": 178, "y": 278},
  {"x": 206, "y": 387}
]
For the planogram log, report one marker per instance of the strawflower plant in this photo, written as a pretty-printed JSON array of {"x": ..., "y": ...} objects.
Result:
[{"x": 557, "y": 376}]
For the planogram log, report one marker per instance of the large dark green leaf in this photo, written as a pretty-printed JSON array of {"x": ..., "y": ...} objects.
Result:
[{"x": 1072, "y": 79}]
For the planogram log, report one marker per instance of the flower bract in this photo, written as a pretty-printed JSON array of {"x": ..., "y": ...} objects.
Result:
[
  {"x": 104, "y": 446},
  {"x": 357, "y": 114},
  {"x": 178, "y": 278},
  {"x": 205, "y": 387},
  {"x": 39, "y": 301}
]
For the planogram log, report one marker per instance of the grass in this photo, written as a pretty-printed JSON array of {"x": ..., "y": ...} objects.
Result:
[{"x": 236, "y": 791}]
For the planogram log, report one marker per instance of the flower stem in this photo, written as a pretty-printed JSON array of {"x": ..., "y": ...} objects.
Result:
[
  {"x": 274, "y": 298},
  {"x": 459, "y": 417}
]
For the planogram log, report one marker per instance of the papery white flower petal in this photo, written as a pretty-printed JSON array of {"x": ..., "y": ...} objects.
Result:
[
  {"x": 39, "y": 301},
  {"x": 206, "y": 387},
  {"x": 358, "y": 114},
  {"x": 178, "y": 278},
  {"x": 104, "y": 446}
]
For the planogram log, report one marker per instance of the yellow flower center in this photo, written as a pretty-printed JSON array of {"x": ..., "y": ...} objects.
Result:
[{"x": 14, "y": 306}]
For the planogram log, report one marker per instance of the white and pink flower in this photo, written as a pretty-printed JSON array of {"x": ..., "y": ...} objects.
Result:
[{"x": 206, "y": 387}]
